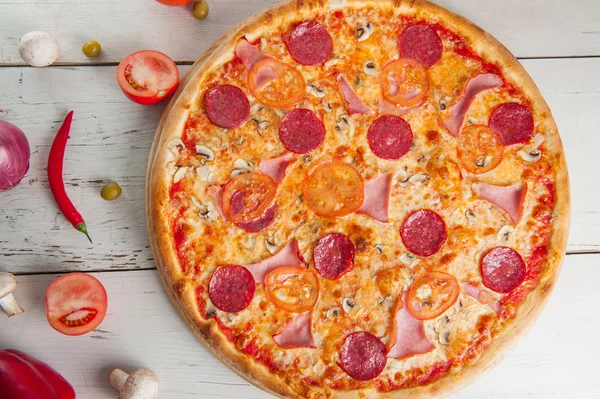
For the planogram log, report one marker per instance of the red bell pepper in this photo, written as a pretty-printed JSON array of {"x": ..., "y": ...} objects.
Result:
[{"x": 24, "y": 377}]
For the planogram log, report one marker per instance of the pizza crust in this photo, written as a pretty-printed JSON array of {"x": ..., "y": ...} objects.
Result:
[{"x": 159, "y": 182}]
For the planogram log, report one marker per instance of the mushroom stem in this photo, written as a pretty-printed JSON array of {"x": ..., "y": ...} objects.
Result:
[
  {"x": 10, "y": 306},
  {"x": 118, "y": 378}
]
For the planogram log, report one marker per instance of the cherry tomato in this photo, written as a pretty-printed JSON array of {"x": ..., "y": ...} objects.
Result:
[
  {"x": 247, "y": 196},
  {"x": 404, "y": 82},
  {"x": 276, "y": 84},
  {"x": 75, "y": 304},
  {"x": 292, "y": 288},
  {"x": 431, "y": 294},
  {"x": 334, "y": 189},
  {"x": 147, "y": 77},
  {"x": 479, "y": 149},
  {"x": 174, "y": 2}
]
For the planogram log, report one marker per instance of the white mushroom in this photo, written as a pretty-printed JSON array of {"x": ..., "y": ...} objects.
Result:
[
  {"x": 203, "y": 173},
  {"x": 348, "y": 304},
  {"x": 205, "y": 152},
  {"x": 444, "y": 337},
  {"x": 249, "y": 242},
  {"x": 8, "y": 302},
  {"x": 315, "y": 91},
  {"x": 470, "y": 215},
  {"x": 38, "y": 49},
  {"x": 141, "y": 384},
  {"x": 505, "y": 233},
  {"x": 418, "y": 179},
  {"x": 532, "y": 152},
  {"x": 370, "y": 68},
  {"x": 346, "y": 123},
  {"x": 179, "y": 175},
  {"x": 364, "y": 32},
  {"x": 407, "y": 258},
  {"x": 272, "y": 247},
  {"x": 241, "y": 166},
  {"x": 483, "y": 161},
  {"x": 175, "y": 145}
]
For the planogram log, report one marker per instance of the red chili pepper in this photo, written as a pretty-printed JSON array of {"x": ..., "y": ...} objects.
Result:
[
  {"x": 25, "y": 377},
  {"x": 55, "y": 177}
]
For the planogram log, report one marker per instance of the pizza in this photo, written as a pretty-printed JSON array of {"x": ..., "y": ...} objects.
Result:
[{"x": 352, "y": 199}]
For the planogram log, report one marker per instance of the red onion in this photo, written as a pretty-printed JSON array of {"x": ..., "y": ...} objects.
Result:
[{"x": 14, "y": 155}]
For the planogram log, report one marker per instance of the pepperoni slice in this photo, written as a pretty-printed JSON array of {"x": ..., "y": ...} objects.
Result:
[
  {"x": 231, "y": 288},
  {"x": 513, "y": 122},
  {"x": 333, "y": 256},
  {"x": 390, "y": 137},
  {"x": 310, "y": 43},
  {"x": 363, "y": 356},
  {"x": 502, "y": 269},
  {"x": 226, "y": 106},
  {"x": 261, "y": 223},
  {"x": 301, "y": 131},
  {"x": 423, "y": 232},
  {"x": 421, "y": 43}
]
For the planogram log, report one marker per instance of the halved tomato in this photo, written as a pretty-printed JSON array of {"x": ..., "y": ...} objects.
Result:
[
  {"x": 334, "y": 189},
  {"x": 404, "y": 82},
  {"x": 276, "y": 84},
  {"x": 292, "y": 288},
  {"x": 147, "y": 77},
  {"x": 248, "y": 196},
  {"x": 479, "y": 149},
  {"x": 75, "y": 303},
  {"x": 431, "y": 294}
]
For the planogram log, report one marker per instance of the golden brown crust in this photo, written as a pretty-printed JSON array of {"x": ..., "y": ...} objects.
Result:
[{"x": 159, "y": 180}]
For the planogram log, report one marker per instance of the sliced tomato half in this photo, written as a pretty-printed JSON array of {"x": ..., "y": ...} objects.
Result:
[
  {"x": 292, "y": 288},
  {"x": 147, "y": 77},
  {"x": 334, "y": 189},
  {"x": 276, "y": 84},
  {"x": 431, "y": 294},
  {"x": 404, "y": 82},
  {"x": 248, "y": 196},
  {"x": 75, "y": 303}
]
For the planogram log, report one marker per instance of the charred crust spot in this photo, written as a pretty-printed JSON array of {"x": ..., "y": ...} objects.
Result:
[
  {"x": 268, "y": 19},
  {"x": 362, "y": 245},
  {"x": 180, "y": 287}
]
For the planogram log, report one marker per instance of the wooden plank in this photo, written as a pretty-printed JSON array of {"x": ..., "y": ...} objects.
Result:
[
  {"x": 559, "y": 359},
  {"x": 536, "y": 28},
  {"x": 111, "y": 140}
]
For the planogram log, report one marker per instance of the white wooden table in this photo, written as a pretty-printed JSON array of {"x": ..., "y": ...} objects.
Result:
[{"x": 557, "y": 40}]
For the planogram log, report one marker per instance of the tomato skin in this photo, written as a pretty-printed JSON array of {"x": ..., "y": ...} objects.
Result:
[
  {"x": 75, "y": 303},
  {"x": 161, "y": 77},
  {"x": 174, "y": 3},
  {"x": 294, "y": 281},
  {"x": 442, "y": 286}
]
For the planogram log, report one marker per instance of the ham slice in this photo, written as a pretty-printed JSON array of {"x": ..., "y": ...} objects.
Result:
[
  {"x": 408, "y": 336},
  {"x": 287, "y": 256},
  {"x": 216, "y": 194},
  {"x": 509, "y": 198},
  {"x": 377, "y": 198},
  {"x": 482, "y": 296},
  {"x": 355, "y": 104},
  {"x": 297, "y": 333},
  {"x": 249, "y": 54},
  {"x": 276, "y": 167},
  {"x": 474, "y": 86}
]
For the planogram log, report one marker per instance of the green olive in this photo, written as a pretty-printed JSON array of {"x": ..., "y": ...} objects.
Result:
[
  {"x": 91, "y": 48},
  {"x": 111, "y": 191},
  {"x": 200, "y": 9}
]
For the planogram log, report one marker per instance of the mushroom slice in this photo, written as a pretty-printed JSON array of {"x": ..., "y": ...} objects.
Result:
[
  {"x": 203, "y": 173},
  {"x": 272, "y": 247},
  {"x": 532, "y": 152},
  {"x": 470, "y": 215},
  {"x": 256, "y": 108},
  {"x": 241, "y": 166},
  {"x": 175, "y": 146},
  {"x": 249, "y": 242},
  {"x": 505, "y": 233},
  {"x": 444, "y": 337},
  {"x": 407, "y": 258},
  {"x": 346, "y": 123},
  {"x": 364, "y": 32},
  {"x": 484, "y": 161},
  {"x": 315, "y": 91},
  {"x": 205, "y": 152},
  {"x": 348, "y": 304},
  {"x": 418, "y": 179},
  {"x": 8, "y": 302},
  {"x": 370, "y": 68},
  {"x": 180, "y": 174}
]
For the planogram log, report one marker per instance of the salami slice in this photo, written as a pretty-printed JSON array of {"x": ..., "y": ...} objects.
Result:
[
  {"x": 513, "y": 123},
  {"x": 226, "y": 106},
  {"x": 309, "y": 43},
  {"x": 231, "y": 288},
  {"x": 421, "y": 43},
  {"x": 390, "y": 137},
  {"x": 363, "y": 356},
  {"x": 502, "y": 269},
  {"x": 261, "y": 223},
  {"x": 333, "y": 256},
  {"x": 301, "y": 131},
  {"x": 423, "y": 232}
]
